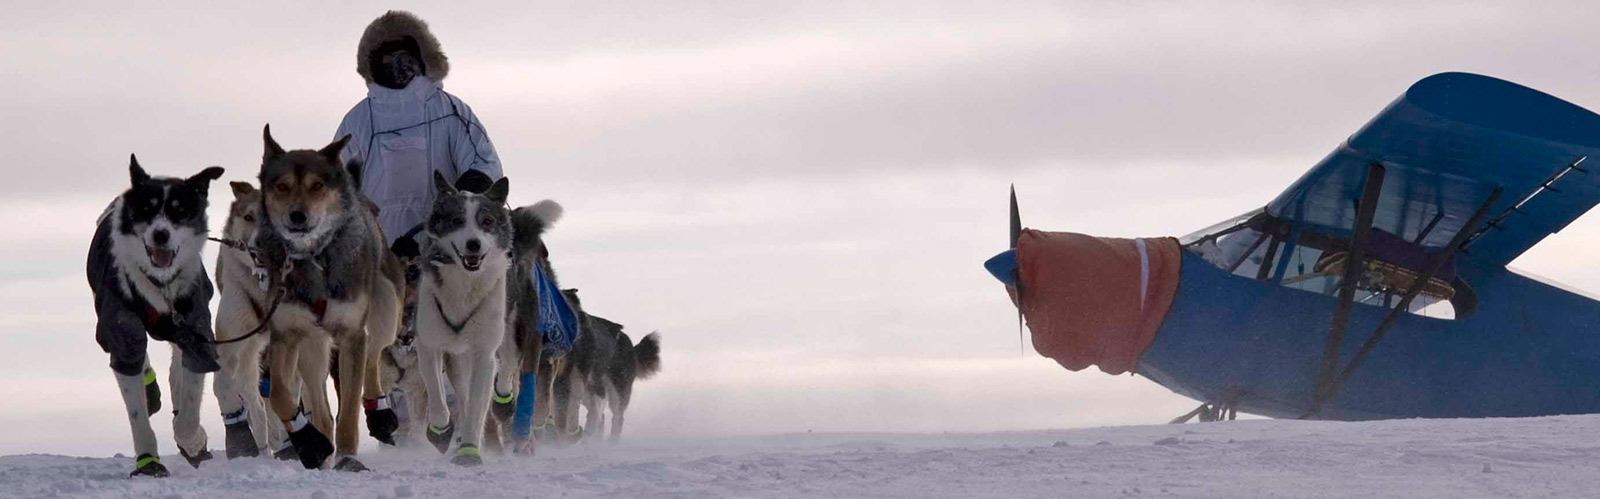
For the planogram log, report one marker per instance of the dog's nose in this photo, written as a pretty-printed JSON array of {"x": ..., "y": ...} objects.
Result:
[
  {"x": 160, "y": 237},
  {"x": 473, "y": 246},
  {"x": 297, "y": 217}
]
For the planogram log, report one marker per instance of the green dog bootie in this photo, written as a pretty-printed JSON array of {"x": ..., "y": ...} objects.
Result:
[
  {"x": 150, "y": 466},
  {"x": 467, "y": 456}
]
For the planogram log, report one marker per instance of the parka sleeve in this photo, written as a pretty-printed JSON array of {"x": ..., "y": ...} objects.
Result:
[
  {"x": 469, "y": 144},
  {"x": 357, "y": 125}
]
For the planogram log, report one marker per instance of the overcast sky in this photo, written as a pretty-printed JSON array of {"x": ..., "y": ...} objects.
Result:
[{"x": 798, "y": 195}]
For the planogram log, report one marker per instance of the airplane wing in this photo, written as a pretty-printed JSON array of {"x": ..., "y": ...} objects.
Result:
[{"x": 1446, "y": 144}]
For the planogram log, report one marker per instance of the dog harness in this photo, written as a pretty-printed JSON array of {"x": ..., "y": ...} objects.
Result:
[{"x": 457, "y": 327}]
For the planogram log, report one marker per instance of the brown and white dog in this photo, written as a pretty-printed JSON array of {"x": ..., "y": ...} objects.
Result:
[
  {"x": 340, "y": 286},
  {"x": 249, "y": 424}
]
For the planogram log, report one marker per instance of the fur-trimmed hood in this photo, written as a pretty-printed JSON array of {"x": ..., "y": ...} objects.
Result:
[{"x": 396, "y": 25}]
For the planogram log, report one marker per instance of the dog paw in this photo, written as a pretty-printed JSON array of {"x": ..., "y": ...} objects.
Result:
[
  {"x": 504, "y": 407},
  {"x": 350, "y": 464},
  {"x": 467, "y": 456},
  {"x": 524, "y": 447},
  {"x": 199, "y": 457},
  {"x": 238, "y": 440},
  {"x": 547, "y": 431},
  {"x": 572, "y": 438},
  {"x": 149, "y": 466},
  {"x": 381, "y": 420},
  {"x": 309, "y": 444},
  {"x": 286, "y": 453},
  {"x": 440, "y": 437}
]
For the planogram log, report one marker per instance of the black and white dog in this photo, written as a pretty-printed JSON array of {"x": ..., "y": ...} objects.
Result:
[
  {"x": 145, "y": 271},
  {"x": 461, "y": 309}
]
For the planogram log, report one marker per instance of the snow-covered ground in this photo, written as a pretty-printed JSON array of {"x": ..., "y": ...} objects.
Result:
[{"x": 1539, "y": 457}]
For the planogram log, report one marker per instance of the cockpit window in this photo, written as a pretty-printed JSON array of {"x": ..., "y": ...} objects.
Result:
[{"x": 1256, "y": 246}]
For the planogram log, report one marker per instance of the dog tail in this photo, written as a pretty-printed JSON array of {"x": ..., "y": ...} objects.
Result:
[
  {"x": 530, "y": 222},
  {"x": 647, "y": 356}
]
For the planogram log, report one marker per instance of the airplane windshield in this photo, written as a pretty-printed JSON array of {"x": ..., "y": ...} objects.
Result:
[{"x": 1255, "y": 245}]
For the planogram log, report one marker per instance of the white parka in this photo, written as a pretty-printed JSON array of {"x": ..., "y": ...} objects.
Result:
[{"x": 404, "y": 135}]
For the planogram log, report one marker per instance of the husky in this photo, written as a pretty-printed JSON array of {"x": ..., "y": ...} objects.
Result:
[
  {"x": 461, "y": 309},
  {"x": 241, "y": 310},
  {"x": 599, "y": 374},
  {"x": 400, "y": 359},
  {"x": 522, "y": 358},
  {"x": 339, "y": 288},
  {"x": 145, "y": 271}
]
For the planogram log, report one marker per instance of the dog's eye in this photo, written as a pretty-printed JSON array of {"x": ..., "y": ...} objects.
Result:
[
  {"x": 316, "y": 187},
  {"x": 250, "y": 218},
  {"x": 154, "y": 202},
  {"x": 457, "y": 221},
  {"x": 487, "y": 221},
  {"x": 283, "y": 188}
]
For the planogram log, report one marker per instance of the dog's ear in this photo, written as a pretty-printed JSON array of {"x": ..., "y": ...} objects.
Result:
[
  {"x": 241, "y": 189},
  {"x": 136, "y": 173},
  {"x": 201, "y": 182},
  {"x": 499, "y": 191},
  {"x": 353, "y": 168},
  {"x": 273, "y": 150},
  {"x": 332, "y": 150},
  {"x": 442, "y": 186},
  {"x": 571, "y": 295},
  {"x": 406, "y": 248}
]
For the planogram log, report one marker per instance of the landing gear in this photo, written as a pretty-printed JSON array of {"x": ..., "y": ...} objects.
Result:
[{"x": 1209, "y": 413}]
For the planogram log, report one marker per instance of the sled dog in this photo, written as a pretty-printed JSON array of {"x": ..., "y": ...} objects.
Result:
[
  {"x": 461, "y": 309},
  {"x": 599, "y": 374},
  {"x": 325, "y": 253},
  {"x": 249, "y": 425},
  {"x": 522, "y": 355},
  {"x": 145, "y": 271}
]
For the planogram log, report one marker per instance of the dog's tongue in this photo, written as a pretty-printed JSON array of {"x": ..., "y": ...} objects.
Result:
[{"x": 162, "y": 258}]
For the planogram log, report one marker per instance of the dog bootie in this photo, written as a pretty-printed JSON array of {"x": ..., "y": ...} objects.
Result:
[
  {"x": 238, "y": 439},
  {"x": 440, "y": 437},
  {"x": 309, "y": 444},
  {"x": 467, "y": 456},
  {"x": 199, "y": 457},
  {"x": 286, "y": 452},
  {"x": 504, "y": 405},
  {"x": 524, "y": 447},
  {"x": 149, "y": 466},
  {"x": 547, "y": 431},
  {"x": 574, "y": 436},
  {"x": 350, "y": 464},
  {"x": 152, "y": 391},
  {"x": 381, "y": 419}
]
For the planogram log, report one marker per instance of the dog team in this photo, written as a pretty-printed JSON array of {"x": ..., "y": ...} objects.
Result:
[{"x": 388, "y": 260}]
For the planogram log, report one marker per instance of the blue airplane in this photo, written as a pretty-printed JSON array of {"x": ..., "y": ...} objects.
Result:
[{"x": 1374, "y": 287}]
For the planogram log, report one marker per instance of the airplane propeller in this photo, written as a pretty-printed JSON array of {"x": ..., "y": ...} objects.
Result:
[
  {"x": 1016, "y": 233},
  {"x": 1005, "y": 268}
]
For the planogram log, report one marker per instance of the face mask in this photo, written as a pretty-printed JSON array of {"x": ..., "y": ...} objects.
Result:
[
  {"x": 395, "y": 62},
  {"x": 396, "y": 69}
]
